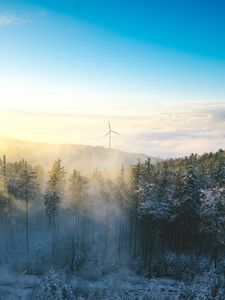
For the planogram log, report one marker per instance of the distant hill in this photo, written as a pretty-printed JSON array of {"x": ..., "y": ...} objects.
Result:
[{"x": 80, "y": 157}]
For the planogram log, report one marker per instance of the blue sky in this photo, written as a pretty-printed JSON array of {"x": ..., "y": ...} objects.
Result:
[
  {"x": 111, "y": 57},
  {"x": 193, "y": 26},
  {"x": 163, "y": 50}
]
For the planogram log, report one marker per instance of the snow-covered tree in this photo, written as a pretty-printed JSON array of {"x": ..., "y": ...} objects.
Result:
[
  {"x": 22, "y": 183},
  {"x": 213, "y": 218},
  {"x": 77, "y": 195},
  {"x": 53, "y": 196},
  {"x": 77, "y": 189}
]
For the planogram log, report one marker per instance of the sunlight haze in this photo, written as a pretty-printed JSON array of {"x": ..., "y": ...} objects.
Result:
[{"x": 65, "y": 72}]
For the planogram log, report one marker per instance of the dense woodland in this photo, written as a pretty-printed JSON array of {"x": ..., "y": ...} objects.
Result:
[{"x": 143, "y": 218}]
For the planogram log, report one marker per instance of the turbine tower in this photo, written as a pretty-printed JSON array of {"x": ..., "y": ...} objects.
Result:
[{"x": 109, "y": 133}]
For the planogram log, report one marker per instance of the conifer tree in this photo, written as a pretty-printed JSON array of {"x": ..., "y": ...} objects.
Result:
[
  {"x": 213, "y": 219},
  {"x": 77, "y": 195},
  {"x": 53, "y": 196},
  {"x": 29, "y": 193},
  {"x": 6, "y": 204}
]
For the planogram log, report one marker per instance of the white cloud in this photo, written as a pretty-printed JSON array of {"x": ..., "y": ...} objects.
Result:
[
  {"x": 11, "y": 19},
  {"x": 169, "y": 130}
]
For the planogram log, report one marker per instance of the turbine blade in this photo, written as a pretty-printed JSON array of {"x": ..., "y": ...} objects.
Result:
[
  {"x": 109, "y": 125},
  {"x": 106, "y": 134},
  {"x": 114, "y": 132}
]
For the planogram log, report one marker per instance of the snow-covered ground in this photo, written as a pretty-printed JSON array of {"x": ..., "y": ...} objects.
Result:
[
  {"x": 16, "y": 285},
  {"x": 123, "y": 284}
]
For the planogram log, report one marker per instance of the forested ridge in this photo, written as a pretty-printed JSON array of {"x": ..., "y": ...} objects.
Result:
[{"x": 161, "y": 220}]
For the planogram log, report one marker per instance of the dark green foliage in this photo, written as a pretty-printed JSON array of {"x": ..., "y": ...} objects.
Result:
[
  {"x": 54, "y": 190},
  {"x": 22, "y": 181},
  {"x": 176, "y": 206},
  {"x": 181, "y": 205}
]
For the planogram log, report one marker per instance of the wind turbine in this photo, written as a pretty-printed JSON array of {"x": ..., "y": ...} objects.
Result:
[{"x": 109, "y": 133}]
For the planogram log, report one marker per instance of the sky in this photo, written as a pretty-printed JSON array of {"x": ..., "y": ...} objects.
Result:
[{"x": 155, "y": 69}]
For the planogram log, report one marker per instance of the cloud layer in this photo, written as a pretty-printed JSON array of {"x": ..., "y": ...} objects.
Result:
[{"x": 166, "y": 130}]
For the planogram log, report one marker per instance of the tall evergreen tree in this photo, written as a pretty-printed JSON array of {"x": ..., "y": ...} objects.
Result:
[
  {"x": 53, "y": 196},
  {"x": 30, "y": 192},
  {"x": 77, "y": 195},
  {"x": 23, "y": 185},
  {"x": 212, "y": 215},
  {"x": 6, "y": 204}
]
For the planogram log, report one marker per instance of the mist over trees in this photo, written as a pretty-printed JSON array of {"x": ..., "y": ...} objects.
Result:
[{"x": 148, "y": 218}]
